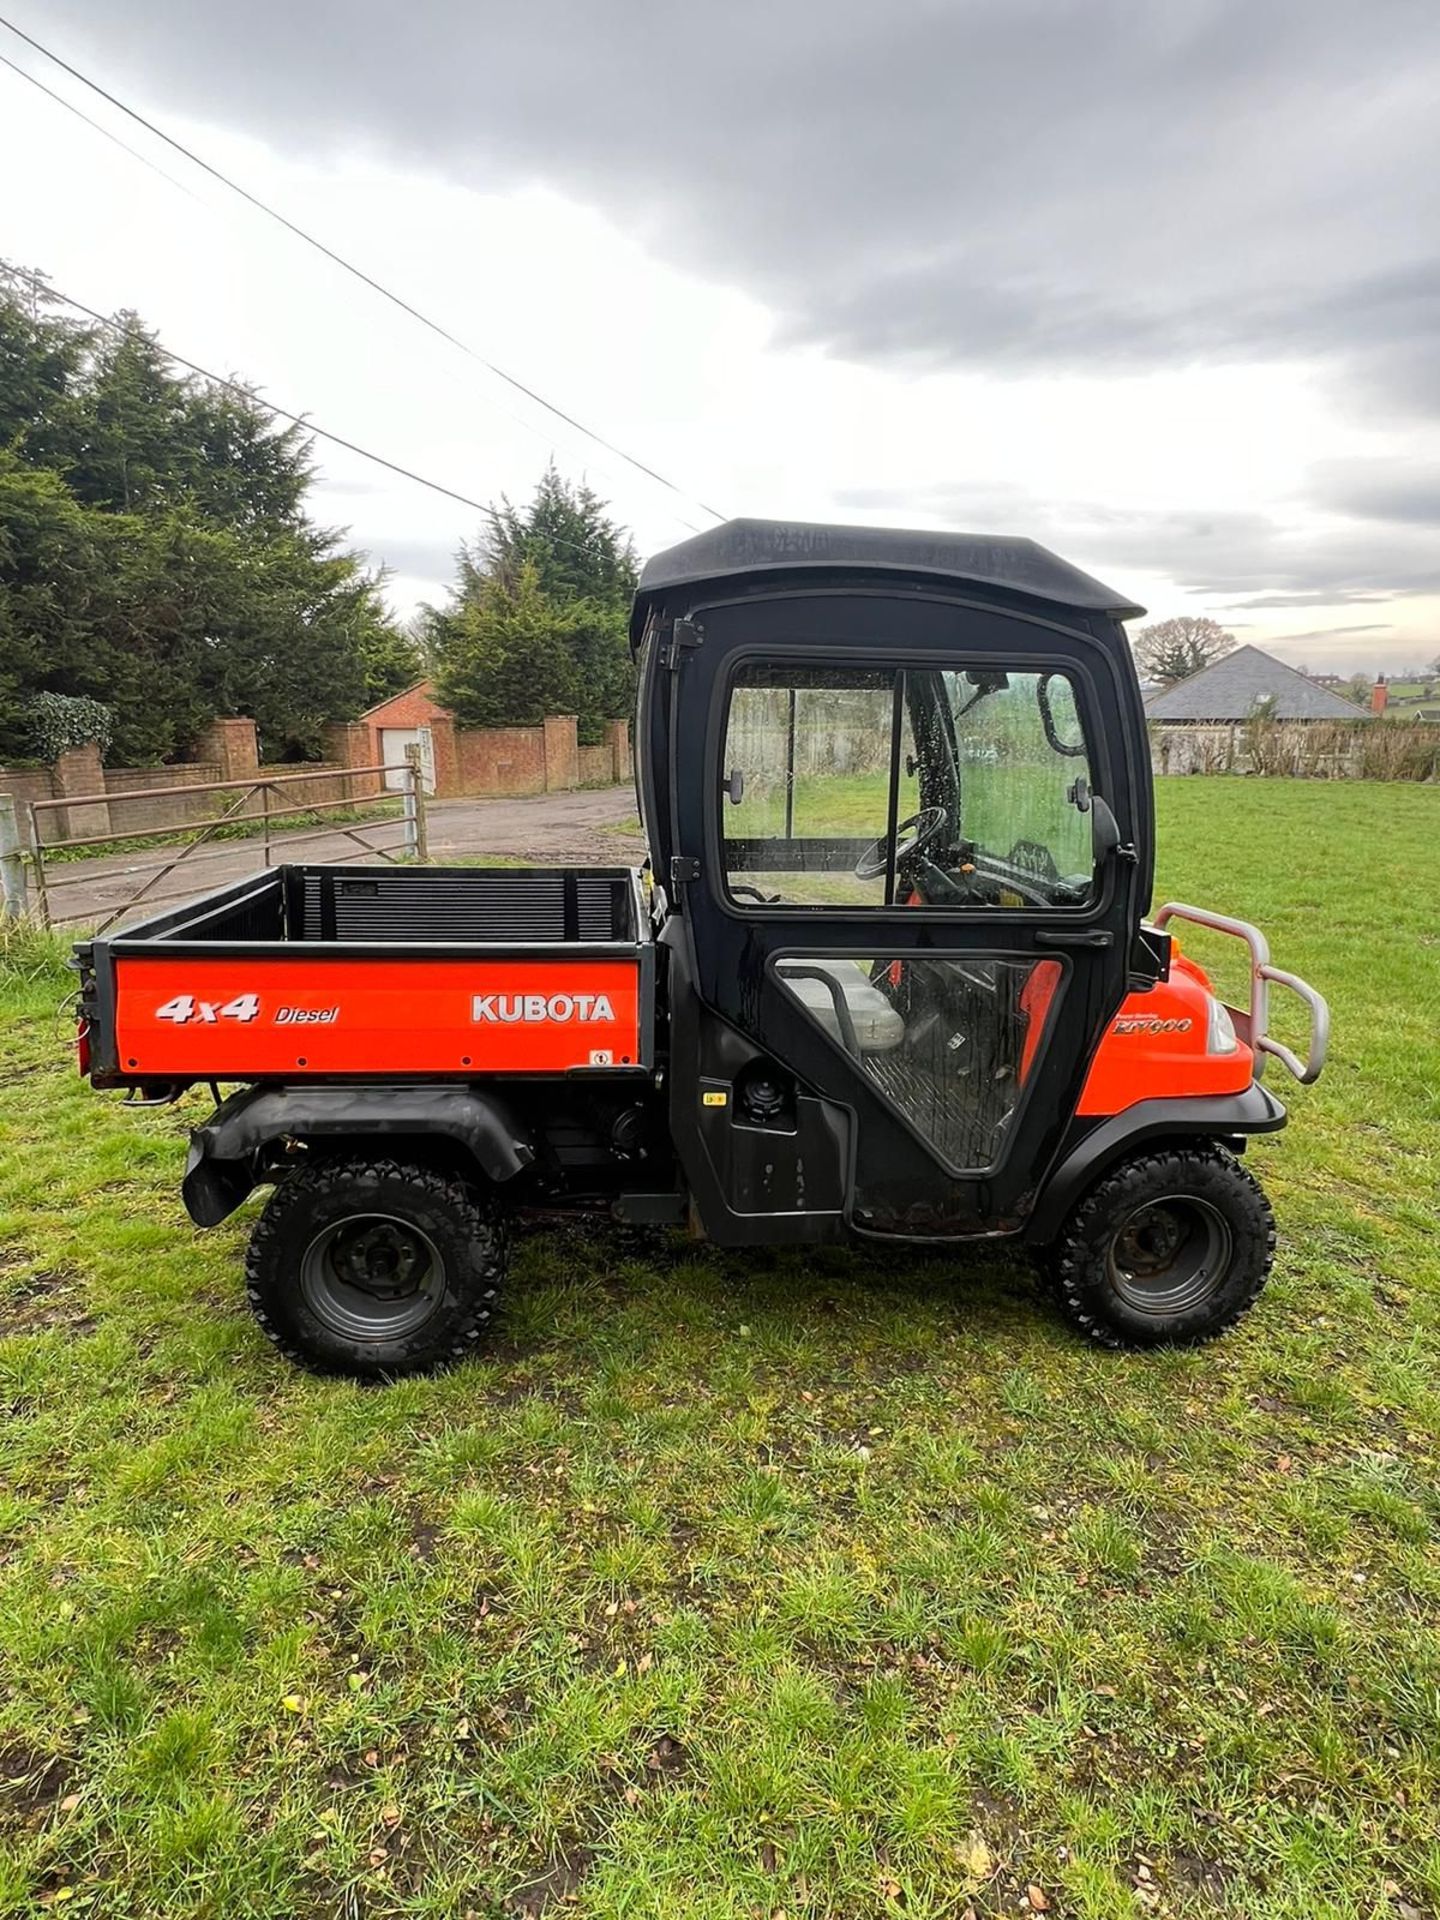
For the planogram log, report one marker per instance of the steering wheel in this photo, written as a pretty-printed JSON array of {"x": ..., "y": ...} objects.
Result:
[{"x": 922, "y": 827}]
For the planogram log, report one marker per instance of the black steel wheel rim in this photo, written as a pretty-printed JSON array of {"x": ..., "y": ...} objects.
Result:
[
  {"x": 1170, "y": 1255},
  {"x": 372, "y": 1277}
]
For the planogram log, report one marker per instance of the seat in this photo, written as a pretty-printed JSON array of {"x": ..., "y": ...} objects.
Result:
[{"x": 876, "y": 1025}]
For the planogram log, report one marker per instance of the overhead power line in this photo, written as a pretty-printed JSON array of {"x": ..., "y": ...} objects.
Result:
[
  {"x": 80, "y": 114},
  {"x": 347, "y": 266},
  {"x": 246, "y": 393},
  {"x": 179, "y": 185}
]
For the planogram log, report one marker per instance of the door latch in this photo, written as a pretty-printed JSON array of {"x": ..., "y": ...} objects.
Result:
[{"x": 684, "y": 868}]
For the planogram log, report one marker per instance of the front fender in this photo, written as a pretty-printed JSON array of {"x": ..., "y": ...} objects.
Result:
[
  {"x": 220, "y": 1170},
  {"x": 1083, "y": 1159}
]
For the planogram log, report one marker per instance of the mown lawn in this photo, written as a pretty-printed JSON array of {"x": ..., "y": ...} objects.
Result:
[{"x": 733, "y": 1587}]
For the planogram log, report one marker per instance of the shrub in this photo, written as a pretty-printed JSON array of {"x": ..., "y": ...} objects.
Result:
[{"x": 59, "y": 721}]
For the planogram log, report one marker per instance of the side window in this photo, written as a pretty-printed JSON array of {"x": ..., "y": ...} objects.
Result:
[
  {"x": 861, "y": 787},
  {"x": 951, "y": 1043},
  {"x": 806, "y": 789}
]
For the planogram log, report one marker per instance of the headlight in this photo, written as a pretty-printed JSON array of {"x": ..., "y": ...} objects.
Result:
[{"x": 1220, "y": 1029}]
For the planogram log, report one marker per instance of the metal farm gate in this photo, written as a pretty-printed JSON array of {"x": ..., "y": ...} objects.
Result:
[{"x": 386, "y": 823}]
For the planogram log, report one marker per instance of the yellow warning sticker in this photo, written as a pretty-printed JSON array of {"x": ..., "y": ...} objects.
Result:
[{"x": 714, "y": 1099}]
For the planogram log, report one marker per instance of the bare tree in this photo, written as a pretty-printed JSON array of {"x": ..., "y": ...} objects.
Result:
[{"x": 1171, "y": 650}]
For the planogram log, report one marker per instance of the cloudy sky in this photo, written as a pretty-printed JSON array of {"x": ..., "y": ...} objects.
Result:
[{"x": 1156, "y": 284}]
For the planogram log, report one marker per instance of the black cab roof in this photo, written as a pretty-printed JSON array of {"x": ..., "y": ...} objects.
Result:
[{"x": 747, "y": 547}]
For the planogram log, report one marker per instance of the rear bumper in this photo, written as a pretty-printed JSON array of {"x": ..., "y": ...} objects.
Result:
[{"x": 1083, "y": 1158}]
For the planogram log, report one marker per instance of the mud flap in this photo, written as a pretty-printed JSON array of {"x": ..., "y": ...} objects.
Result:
[{"x": 212, "y": 1189}]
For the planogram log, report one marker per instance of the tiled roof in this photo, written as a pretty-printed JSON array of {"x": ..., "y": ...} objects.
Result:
[{"x": 1232, "y": 687}]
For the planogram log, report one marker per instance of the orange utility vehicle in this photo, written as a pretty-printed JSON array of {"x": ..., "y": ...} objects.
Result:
[{"x": 888, "y": 976}]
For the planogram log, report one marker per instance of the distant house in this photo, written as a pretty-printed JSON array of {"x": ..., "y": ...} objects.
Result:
[
  {"x": 399, "y": 723},
  {"x": 1200, "y": 725},
  {"x": 1242, "y": 684}
]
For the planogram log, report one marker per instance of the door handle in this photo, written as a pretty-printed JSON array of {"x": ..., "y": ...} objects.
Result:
[{"x": 1077, "y": 937}]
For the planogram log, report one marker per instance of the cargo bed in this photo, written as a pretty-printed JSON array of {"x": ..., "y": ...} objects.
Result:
[{"x": 318, "y": 972}]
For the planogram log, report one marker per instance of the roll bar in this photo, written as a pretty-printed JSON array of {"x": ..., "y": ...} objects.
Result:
[{"x": 1262, "y": 977}]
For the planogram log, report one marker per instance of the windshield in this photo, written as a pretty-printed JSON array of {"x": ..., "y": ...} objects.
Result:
[
  {"x": 1017, "y": 749},
  {"x": 872, "y": 786}
]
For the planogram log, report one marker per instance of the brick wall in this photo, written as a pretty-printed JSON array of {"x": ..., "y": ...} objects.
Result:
[
  {"x": 181, "y": 804},
  {"x": 509, "y": 760},
  {"x": 26, "y": 784},
  {"x": 468, "y": 760},
  {"x": 342, "y": 786},
  {"x": 173, "y": 808},
  {"x": 597, "y": 766}
]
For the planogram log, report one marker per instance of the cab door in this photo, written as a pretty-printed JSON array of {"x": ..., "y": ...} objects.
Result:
[{"x": 887, "y": 868}]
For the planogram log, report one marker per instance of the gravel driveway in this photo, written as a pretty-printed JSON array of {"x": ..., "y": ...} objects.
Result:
[{"x": 596, "y": 828}]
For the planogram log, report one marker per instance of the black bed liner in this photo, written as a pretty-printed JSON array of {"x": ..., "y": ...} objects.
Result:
[{"x": 390, "y": 906}]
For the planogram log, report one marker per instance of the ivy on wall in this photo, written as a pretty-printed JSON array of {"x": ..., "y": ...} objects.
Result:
[{"x": 59, "y": 721}]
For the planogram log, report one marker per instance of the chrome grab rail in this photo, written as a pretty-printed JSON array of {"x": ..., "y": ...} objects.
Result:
[{"x": 1262, "y": 977}]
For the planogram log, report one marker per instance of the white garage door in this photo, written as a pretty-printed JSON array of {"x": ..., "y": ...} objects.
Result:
[{"x": 393, "y": 742}]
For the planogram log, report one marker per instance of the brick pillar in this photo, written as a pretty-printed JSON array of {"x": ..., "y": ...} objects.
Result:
[
  {"x": 562, "y": 753},
  {"x": 347, "y": 742},
  {"x": 617, "y": 738},
  {"x": 232, "y": 746},
  {"x": 447, "y": 756},
  {"x": 78, "y": 770},
  {"x": 351, "y": 743}
]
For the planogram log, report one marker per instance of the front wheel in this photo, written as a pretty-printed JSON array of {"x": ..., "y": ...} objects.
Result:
[
  {"x": 1168, "y": 1249},
  {"x": 374, "y": 1267}
]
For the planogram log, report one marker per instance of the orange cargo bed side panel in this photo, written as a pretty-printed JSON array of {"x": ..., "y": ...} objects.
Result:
[{"x": 247, "y": 1018}]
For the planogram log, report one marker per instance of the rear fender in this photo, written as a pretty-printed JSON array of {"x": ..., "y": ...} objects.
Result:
[{"x": 222, "y": 1167}]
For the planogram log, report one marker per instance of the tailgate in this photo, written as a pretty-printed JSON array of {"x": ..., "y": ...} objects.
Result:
[{"x": 247, "y": 1017}]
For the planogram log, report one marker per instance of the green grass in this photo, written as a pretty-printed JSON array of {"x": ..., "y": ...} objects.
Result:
[
  {"x": 827, "y": 1585},
  {"x": 1002, "y": 805}
]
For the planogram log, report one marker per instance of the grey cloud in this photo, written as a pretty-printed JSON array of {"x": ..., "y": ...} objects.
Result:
[
  {"x": 1255, "y": 560},
  {"x": 416, "y": 559},
  {"x": 1329, "y": 633},
  {"x": 1315, "y": 597},
  {"x": 1314, "y": 635},
  {"x": 1005, "y": 184},
  {"x": 353, "y": 486},
  {"x": 1396, "y": 490},
  {"x": 1245, "y": 559}
]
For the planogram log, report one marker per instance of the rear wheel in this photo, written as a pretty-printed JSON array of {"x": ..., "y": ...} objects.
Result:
[
  {"x": 375, "y": 1267},
  {"x": 1168, "y": 1249}
]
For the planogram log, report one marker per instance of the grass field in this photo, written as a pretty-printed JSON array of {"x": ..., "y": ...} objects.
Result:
[{"x": 744, "y": 1587}]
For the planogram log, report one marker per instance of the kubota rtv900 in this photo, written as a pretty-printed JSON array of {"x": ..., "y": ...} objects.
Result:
[{"x": 889, "y": 978}]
